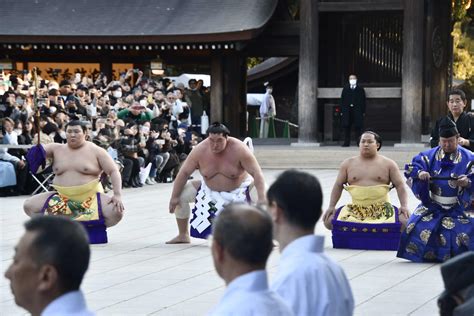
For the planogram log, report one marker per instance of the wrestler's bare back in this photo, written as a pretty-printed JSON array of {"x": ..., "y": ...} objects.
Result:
[
  {"x": 366, "y": 172},
  {"x": 222, "y": 171},
  {"x": 74, "y": 166}
]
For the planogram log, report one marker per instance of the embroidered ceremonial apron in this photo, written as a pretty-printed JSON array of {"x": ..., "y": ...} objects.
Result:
[
  {"x": 369, "y": 222},
  {"x": 80, "y": 203},
  {"x": 209, "y": 204}
]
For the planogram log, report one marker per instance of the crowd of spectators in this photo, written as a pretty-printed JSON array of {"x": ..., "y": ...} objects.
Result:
[{"x": 147, "y": 126}]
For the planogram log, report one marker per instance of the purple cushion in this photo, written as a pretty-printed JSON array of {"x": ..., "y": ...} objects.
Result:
[{"x": 366, "y": 236}]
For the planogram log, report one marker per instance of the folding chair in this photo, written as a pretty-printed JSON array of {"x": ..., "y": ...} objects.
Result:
[
  {"x": 44, "y": 180},
  {"x": 248, "y": 141}
]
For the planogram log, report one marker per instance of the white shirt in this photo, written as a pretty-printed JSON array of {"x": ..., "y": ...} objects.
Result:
[
  {"x": 310, "y": 282},
  {"x": 177, "y": 108},
  {"x": 69, "y": 304},
  {"x": 9, "y": 139},
  {"x": 249, "y": 295},
  {"x": 267, "y": 108}
]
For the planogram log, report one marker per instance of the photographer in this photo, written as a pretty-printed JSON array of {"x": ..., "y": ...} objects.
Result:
[
  {"x": 75, "y": 108},
  {"x": 171, "y": 168},
  {"x": 157, "y": 157},
  {"x": 128, "y": 150}
]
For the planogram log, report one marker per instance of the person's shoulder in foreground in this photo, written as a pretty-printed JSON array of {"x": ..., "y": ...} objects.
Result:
[
  {"x": 50, "y": 261},
  {"x": 309, "y": 281},
  {"x": 242, "y": 242}
]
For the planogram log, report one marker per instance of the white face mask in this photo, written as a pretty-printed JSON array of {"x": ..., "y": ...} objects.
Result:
[
  {"x": 143, "y": 102},
  {"x": 353, "y": 82},
  {"x": 269, "y": 90},
  {"x": 52, "y": 109},
  {"x": 145, "y": 129},
  {"x": 18, "y": 131},
  {"x": 117, "y": 94}
]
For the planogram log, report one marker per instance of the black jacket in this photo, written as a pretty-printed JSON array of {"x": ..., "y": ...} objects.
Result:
[
  {"x": 465, "y": 126},
  {"x": 355, "y": 114}
]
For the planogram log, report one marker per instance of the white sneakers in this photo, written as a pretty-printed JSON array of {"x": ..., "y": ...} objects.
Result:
[{"x": 150, "y": 181}]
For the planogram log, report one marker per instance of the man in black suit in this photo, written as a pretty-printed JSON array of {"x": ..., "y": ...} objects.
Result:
[{"x": 353, "y": 109}]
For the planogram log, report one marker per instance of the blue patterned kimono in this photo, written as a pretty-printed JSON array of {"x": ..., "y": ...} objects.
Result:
[{"x": 439, "y": 228}]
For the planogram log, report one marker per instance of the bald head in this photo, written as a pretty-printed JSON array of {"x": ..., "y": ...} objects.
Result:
[{"x": 245, "y": 232}]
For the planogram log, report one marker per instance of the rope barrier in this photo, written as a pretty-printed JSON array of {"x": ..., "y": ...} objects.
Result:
[{"x": 280, "y": 120}]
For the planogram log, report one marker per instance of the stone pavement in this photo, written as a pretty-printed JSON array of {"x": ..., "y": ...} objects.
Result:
[{"x": 137, "y": 274}]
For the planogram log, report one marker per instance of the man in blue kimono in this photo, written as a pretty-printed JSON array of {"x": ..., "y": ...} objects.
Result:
[{"x": 441, "y": 178}]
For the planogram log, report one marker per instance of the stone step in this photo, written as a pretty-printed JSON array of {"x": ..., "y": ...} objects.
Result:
[{"x": 324, "y": 157}]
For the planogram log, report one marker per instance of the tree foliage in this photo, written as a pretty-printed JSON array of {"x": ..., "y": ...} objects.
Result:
[
  {"x": 253, "y": 61},
  {"x": 463, "y": 42}
]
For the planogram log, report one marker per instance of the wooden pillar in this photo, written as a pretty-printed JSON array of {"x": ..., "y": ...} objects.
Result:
[
  {"x": 243, "y": 127},
  {"x": 106, "y": 68},
  {"x": 233, "y": 87},
  {"x": 412, "y": 71},
  {"x": 437, "y": 54},
  {"x": 308, "y": 72},
  {"x": 217, "y": 90}
]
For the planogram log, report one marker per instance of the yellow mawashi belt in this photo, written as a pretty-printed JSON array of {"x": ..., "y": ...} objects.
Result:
[
  {"x": 370, "y": 205},
  {"x": 77, "y": 202}
]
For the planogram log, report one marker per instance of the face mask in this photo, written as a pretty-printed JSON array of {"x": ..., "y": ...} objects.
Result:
[
  {"x": 143, "y": 102},
  {"x": 269, "y": 90},
  {"x": 62, "y": 134},
  {"x": 145, "y": 129},
  {"x": 52, "y": 109},
  {"x": 117, "y": 94},
  {"x": 18, "y": 131},
  {"x": 353, "y": 82}
]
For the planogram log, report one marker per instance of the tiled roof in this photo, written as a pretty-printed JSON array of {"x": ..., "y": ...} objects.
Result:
[{"x": 133, "y": 20}]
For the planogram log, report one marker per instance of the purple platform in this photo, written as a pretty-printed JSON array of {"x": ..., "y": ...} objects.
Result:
[{"x": 365, "y": 236}]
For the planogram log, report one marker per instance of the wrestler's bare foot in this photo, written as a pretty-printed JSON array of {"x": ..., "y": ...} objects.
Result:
[{"x": 180, "y": 239}]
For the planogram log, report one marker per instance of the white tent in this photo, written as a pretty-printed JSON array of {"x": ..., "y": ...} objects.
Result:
[
  {"x": 184, "y": 78},
  {"x": 255, "y": 99}
]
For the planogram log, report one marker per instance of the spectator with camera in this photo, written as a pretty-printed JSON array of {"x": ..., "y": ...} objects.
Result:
[
  {"x": 128, "y": 150},
  {"x": 157, "y": 157}
]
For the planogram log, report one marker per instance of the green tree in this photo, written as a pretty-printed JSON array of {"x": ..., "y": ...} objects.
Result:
[
  {"x": 253, "y": 61},
  {"x": 463, "y": 42}
]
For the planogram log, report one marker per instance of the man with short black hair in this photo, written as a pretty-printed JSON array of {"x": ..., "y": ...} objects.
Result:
[
  {"x": 241, "y": 245},
  {"x": 50, "y": 261},
  {"x": 308, "y": 280},
  {"x": 230, "y": 174},
  {"x": 368, "y": 177},
  {"x": 77, "y": 166},
  {"x": 464, "y": 120},
  {"x": 352, "y": 109}
]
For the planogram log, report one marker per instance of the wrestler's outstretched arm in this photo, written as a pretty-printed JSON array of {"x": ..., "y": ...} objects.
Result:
[
  {"x": 108, "y": 165},
  {"x": 336, "y": 192},
  {"x": 50, "y": 148},
  {"x": 397, "y": 181},
  {"x": 188, "y": 167},
  {"x": 250, "y": 164}
]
